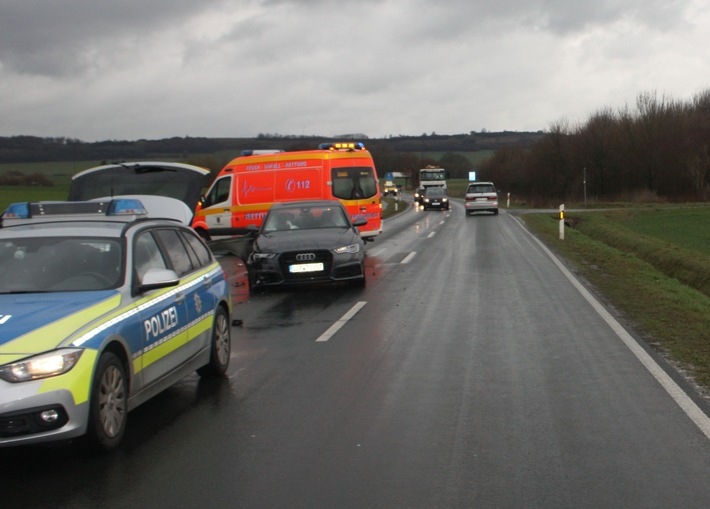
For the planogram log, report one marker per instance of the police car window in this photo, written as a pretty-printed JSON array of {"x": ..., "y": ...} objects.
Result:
[
  {"x": 147, "y": 255},
  {"x": 201, "y": 251},
  {"x": 175, "y": 250}
]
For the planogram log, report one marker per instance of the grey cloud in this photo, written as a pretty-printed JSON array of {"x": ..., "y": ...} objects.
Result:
[{"x": 57, "y": 37}]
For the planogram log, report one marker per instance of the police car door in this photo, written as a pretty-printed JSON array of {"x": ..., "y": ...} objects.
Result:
[
  {"x": 163, "y": 314},
  {"x": 190, "y": 259}
]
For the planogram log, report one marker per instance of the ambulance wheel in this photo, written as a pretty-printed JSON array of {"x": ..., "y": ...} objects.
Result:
[
  {"x": 220, "y": 348},
  {"x": 109, "y": 404}
]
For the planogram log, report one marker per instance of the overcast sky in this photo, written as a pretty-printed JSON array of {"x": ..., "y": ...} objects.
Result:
[{"x": 131, "y": 69}]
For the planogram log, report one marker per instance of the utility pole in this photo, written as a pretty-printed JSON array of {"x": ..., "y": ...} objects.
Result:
[{"x": 584, "y": 181}]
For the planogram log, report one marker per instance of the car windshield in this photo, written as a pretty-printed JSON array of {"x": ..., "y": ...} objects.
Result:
[
  {"x": 435, "y": 192},
  {"x": 481, "y": 188},
  {"x": 305, "y": 218},
  {"x": 59, "y": 264}
]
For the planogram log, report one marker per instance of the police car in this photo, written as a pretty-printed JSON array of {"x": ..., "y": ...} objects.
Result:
[{"x": 103, "y": 304}]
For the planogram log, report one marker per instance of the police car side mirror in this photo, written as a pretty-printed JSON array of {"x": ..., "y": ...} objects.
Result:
[{"x": 158, "y": 278}]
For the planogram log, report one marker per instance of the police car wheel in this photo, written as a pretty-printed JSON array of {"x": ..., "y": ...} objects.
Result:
[
  {"x": 109, "y": 404},
  {"x": 221, "y": 346}
]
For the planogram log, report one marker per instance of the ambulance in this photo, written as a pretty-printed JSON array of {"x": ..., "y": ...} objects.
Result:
[{"x": 247, "y": 186}]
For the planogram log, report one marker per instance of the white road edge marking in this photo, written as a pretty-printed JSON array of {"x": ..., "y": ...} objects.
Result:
[
  {"x": 431, "y": 234},
  {"x": 690, "y": 408},
  {"x": 409, "y": 257},
  {"x": 337, "y": 325}
]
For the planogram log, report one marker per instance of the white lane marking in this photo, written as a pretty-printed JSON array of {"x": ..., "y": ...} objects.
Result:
[
  {"x": 337, "y": 325},
  {"x": 690, "y": 408},
  {"x": 431, "y": 234},
  {"x": 409, "y": 257}
]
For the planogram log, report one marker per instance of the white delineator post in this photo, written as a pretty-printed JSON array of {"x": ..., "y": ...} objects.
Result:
[{"x": 562, "y": 222}]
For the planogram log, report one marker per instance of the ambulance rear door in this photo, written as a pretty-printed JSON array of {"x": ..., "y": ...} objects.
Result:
[{"x": 356, "y": 187}]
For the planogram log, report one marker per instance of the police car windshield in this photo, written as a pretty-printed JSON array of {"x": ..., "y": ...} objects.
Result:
[{"x": 59, "y": 264}]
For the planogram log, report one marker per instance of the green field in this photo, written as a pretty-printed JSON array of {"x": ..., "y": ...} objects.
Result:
[{"x": 650, "y": 264}]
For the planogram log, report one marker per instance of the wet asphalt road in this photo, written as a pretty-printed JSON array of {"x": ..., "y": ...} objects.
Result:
[{"x": 472, "y": 373}]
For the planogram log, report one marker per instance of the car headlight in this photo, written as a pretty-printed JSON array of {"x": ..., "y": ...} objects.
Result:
[
  {"x": 45, "y": 365},
  {"x": 445, "y": 199},
  {"x": 352, "y": 249},
  {"x": 262, "y": 256}
]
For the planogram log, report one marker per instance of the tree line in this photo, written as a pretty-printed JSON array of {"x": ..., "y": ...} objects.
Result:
[{"x": 657, "y": 150}]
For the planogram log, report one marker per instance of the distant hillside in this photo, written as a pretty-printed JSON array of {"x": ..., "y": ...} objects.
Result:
[{"x": 20, "y": 149}]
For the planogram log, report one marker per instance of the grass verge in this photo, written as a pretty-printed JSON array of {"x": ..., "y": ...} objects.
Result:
[{"x": 659, "y": 286}]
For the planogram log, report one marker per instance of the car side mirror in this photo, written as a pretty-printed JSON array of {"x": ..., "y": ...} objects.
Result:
[
  {"x": 360, "y": 222},
  {"x": 158, "y": 278}
]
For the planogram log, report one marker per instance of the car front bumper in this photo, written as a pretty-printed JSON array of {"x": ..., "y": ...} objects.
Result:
[{"x": 22, "y": 409}]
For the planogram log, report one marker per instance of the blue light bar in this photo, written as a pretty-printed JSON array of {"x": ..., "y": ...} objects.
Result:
[
  {"x": 17, "y": 211},
  {"x": 126, "y": 207},
  {"x": 116, "y": 207}
]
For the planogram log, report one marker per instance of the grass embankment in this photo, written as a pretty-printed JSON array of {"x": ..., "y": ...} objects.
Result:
[{"x": 653, "y": 265}]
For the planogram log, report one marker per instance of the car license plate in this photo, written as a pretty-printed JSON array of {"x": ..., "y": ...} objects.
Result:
[
  {"x": 436, "y": 203},
  {"x": 306, "y": 267},
  {"x": 481, "y": 199}
]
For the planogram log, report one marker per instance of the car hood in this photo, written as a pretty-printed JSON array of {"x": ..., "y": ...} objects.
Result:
[
  {"x": 299, "y": 240},
  {"x": 33, "y": 323}
]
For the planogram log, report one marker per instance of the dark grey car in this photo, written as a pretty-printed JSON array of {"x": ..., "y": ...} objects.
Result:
[{"x": 307, "y": 242}]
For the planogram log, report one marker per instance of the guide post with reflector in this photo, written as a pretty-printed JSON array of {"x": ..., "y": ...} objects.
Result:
[{"x": 562, "y": 222}]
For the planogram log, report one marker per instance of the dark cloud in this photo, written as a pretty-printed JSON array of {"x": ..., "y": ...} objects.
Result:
[
  {"x": 240, "y": 67},
  {"x": 58, "y": 37}
]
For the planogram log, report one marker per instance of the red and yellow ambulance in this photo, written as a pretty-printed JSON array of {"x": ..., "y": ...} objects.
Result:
[{"x": 247, "y": 186}]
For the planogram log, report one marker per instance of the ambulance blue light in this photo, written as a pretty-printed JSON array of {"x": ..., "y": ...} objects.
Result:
[
  {"x": 126, "y": 207},
  {"x": 18, "y": 211}
]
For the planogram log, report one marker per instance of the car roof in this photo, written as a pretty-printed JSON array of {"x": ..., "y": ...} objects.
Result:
[
  {"x": 104, "y": 216},
  {"x": 307, "y": 203},
  {"x": 64, "y": 229}
]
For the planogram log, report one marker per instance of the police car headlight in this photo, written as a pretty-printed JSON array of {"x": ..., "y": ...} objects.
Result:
[
  {"x": 41, "y": 366},
  {"x": 352, "y": 249}
]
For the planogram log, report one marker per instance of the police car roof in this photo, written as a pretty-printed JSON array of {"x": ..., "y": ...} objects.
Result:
[{"x": 123, "y": 209}]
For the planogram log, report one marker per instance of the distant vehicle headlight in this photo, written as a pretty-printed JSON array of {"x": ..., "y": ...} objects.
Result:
[
  {"x": 41, "y": 366},
  {"x": 352, "y": 248}
]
